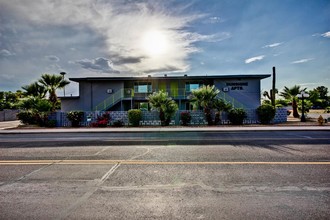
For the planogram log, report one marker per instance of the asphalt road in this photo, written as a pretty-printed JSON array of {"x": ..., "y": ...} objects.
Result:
[{"x": 172, "y": 175}]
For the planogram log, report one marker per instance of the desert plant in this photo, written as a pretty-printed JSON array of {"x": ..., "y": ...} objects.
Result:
[
  {"x": 167, "y": 107},
  {"x": 236, "y": 116},
  {"x": 204, "y": 97},
  {"x": 185, "y": 118},
  {"x": 75, "y": 117},
  {"x": 266, "y": 113},
  {"x": 134, "y": 117}
]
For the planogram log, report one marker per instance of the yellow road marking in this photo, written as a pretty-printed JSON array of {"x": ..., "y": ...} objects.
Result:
[{"x": 143, "y": 162}]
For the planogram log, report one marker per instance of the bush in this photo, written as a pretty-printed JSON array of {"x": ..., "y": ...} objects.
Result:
[
  {"x": 266, "y": 113},
  {"x": 75, "y": 117},
  {"x": 236, "y": 116},
  {"x": 26, "y": 117},
  {"x": 33, "y": 118},
  {"x": 102, "y": 121},
  {"x": 118, "y": 123},
  {"x": 134, "y": 117},
  {"x": 185, "y": 118}
]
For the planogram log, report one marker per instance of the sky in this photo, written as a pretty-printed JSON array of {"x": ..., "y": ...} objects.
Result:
[{"x": 153, "y": 37}]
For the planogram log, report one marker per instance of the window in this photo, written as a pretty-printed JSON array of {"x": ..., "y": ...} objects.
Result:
[
  {"x": 142, "y": 87},
  {"x": 192, "y": 86}
]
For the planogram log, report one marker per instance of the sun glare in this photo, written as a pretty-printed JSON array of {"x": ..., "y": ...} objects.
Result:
[{"x": 154, "y": 43}]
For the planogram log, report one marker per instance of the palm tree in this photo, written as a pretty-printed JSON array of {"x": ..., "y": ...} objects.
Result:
[
  {"x": 35, "y": 90},
  {"x": 165, "y": 105},
  {"x": 205, "y": 97},
  {"x": 291, "y": 94},
  {"x": 52, "y": 83}
]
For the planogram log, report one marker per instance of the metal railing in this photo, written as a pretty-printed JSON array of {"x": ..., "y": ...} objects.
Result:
[{"x": 180, "y": 93}]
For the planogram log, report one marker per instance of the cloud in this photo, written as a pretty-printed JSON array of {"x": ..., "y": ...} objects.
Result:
[
  {"x": 302, "y": 61},
  {"x": 6, "y": 53},
  {"x": 52, "y": 58},
  {"x": 121, "y": 26},
  {"x": 272, "y": 45},
  {"x": 253, "y": 59},
  {"x": 99, "y": 64},
  {"x": 326, "y": 34},
  {"x": 214, "y": 20}
]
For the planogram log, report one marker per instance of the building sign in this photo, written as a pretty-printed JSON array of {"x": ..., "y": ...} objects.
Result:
[{"x": 237, "y": 85}]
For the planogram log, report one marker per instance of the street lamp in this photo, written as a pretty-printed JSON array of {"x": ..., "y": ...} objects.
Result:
[
  {"x": 63, "y": 73},
  {"x": 303, "y": 95}
]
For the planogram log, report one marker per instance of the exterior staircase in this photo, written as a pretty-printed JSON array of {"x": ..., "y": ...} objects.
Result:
[{"x": 110, "y": 101}]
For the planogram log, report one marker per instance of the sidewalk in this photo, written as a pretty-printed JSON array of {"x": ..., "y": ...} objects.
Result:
[{"x": 12, "y": 128}]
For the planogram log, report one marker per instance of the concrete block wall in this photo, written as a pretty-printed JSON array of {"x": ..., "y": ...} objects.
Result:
[
  {"x": 151, "y": 118},
  {"x": 8, "y": 115}
]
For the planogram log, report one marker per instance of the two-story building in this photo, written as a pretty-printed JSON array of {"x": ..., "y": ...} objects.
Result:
[{"x": 124, "y": 93}]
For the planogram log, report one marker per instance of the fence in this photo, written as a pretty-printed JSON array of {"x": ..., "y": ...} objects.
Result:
[
  {"x": 151, "y": 118},
  {"x": 8, "y": 115}
]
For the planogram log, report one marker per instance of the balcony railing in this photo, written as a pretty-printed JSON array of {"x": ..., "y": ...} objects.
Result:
[{"x": 176, "y": 94}]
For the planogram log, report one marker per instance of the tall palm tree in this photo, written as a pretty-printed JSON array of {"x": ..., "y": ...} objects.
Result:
[
  {"x": 205, "y": 97},
  {"x": 291, "y": 94},
  {"x": 53, "y": 82},
  {"x": 35, "y": 90}
]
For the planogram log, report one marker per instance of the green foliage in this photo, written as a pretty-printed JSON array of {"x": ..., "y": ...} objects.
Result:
[
  {"x": 281, "y": 103},
  {"x": 165, "y": 105},
  {"x": 266, "y": 113},
  {"x": 118, "y": 123},
  {"x": 291, "y": 94},
  {"x": 35, "y": 90},
  {"x": 134, "y": 117},
  {"x": 35, "y": 104},
  {"x": 51, "y": 83},
  {"x": 185, "y": 118},
  {"x": 205, "y": 97},
  {"x": 75, "y": 117},
  {"x": 236, "y": 116},
  {"x": 34, "y": 118},
  {"x": 8, "y": 100}
]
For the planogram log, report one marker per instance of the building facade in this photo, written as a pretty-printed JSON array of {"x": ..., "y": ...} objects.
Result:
[{"x": 124, "y": 93}]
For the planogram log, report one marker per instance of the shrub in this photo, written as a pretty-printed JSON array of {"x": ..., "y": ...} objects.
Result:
[
  {"x": 33, "y": 118},
  {"x": 134, "y": 117},
  {"x": 118, "y": 123},
  {"x": 185, "y": 118},
  {"x": 51, "y": 123},
  {"x": 236, "y": 116},
  {"x": 266, "y": 113},
  {"x": 26, "y": 117},
  {"x": 102, "y": 120},
  {"x": 75, "y": 117}
]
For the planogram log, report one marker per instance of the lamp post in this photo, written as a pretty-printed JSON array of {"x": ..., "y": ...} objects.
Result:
[
  {"x": 303, "y": 95},
  {"x": 63, "y": 73}
]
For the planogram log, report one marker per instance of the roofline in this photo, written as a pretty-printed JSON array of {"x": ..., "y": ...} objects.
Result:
[{"x": 130, "y": 78}]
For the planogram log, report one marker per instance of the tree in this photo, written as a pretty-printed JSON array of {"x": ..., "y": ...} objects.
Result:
[
  {"x": 205, "y": 97},
  {"x": 8, "y": 100},
  {"x": 220, "y": 105},
  {"x": 52, "y": 83},
  {"x": 167, "y": 107},
  {"x": 291, "y": 94},
  {"x": 35, "y": 90}
]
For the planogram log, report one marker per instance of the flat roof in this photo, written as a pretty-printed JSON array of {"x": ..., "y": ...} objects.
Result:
[{"x": 132, "y": 78}]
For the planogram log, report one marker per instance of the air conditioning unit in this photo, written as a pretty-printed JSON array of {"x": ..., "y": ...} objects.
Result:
[
  {"x": 225, "y": 89},
  {"x": 109, "y": 91}
]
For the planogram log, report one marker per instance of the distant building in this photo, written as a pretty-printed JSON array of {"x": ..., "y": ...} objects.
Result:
[{"x": 124, "y": 93}]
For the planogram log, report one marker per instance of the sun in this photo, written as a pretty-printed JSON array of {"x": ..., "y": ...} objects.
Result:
[{"x": 154, "y": 43}]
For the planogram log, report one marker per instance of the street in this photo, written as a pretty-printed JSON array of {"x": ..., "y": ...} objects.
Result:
[{"x": 165, "y": 175}]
